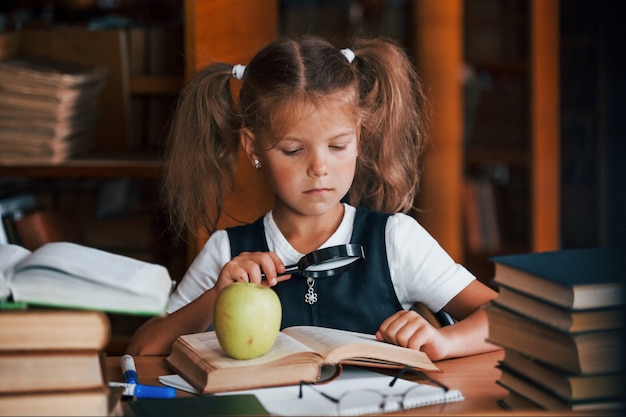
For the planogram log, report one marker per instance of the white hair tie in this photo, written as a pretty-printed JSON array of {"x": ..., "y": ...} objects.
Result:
[
  {"x": 348, "y": 54},
  {"x": 238, "y": 71}
]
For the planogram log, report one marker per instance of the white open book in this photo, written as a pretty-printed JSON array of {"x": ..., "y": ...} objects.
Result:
[{"x": 68, "y": 275}]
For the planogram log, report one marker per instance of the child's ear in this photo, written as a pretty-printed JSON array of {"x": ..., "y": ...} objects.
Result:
[{"x": 249, "y": 145}]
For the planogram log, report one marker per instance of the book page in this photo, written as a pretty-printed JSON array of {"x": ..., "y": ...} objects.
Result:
[
  {"x": 324, "y": 340},
  {"x": 207, "y": 346},
  {"x": 349, "y": 347},
  {"x": 99, "y": 266}
]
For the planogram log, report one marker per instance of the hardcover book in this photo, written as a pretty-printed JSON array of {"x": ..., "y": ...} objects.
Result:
[
  {"x": 48, "y": 371},
  {"x": 547, "y": 400},
  {"x": 564, "y": 385},
  {"x": 574, "y": 278},
  {"x": 564, "y": 319},
  {"x": 581, "y": 353},
  {"x": 53, "y": 330},
  {"x": 300, "y": 353}
]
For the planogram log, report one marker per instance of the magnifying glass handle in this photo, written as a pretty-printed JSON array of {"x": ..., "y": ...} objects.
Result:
[{"x": 289, "y": 269}]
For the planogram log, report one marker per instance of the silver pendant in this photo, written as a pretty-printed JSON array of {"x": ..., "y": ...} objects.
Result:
[{"x": 311, "y": 296}]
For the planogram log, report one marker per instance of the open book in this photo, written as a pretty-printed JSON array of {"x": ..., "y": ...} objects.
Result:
[
  {"x": 68, "y": 275},
  {"x": 300, "y": 353}
]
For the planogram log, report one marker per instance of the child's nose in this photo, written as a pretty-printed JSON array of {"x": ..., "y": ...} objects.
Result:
[{"x": 317, "y": 165}]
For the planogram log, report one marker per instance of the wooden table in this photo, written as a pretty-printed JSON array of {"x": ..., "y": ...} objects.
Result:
[{"x": 475, "y": 376}]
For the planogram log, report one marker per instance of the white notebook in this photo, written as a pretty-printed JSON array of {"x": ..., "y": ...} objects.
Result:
[{"x": 285, "y": 401}]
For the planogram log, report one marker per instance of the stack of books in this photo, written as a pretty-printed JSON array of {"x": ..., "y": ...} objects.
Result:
[
  {"x": 560, "y": 318},
  {"x": 48, "y": 109},
  {"x": 52, "y": 363}
]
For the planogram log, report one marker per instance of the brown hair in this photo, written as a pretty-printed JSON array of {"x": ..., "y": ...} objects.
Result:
[{"x": 204, "y": 135}]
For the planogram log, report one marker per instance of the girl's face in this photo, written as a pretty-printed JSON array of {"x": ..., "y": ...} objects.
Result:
[{"x": 312, "y": 165}]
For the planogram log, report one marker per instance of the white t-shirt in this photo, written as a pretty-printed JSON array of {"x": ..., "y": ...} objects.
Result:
[{"x": 420, "y": 269}]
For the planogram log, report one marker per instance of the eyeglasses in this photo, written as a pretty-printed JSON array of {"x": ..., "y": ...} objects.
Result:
[{"x": 364, "y": 401}]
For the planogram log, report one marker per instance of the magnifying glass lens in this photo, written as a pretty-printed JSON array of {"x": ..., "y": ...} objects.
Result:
[
  {"x": 327, "y": 262},
  {"x": 330, "y": 261},
  {"x": 334, "y": 264}
]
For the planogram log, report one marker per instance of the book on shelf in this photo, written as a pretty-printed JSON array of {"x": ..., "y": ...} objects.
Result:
[
  {"x": 564, "y": 385},
  {"x": 69, "y": 275},
  {"x": 545, "y": 399},
  {"x": 51, "y": 109},
  {"x": 482, "y": 215},
  {"x": 53, "y": 330},
  {"x": 42, "y": 226},
  {"x": 586, "y": 352},
  {"x": 49, "y": 370},
  {"x": 564, "y": 319},
  {"x": 472, "y": 217},
  {"x": 12, "y": 208},
  {"x": 300, "y": 353},
  {"x": 571, "y": 278}
]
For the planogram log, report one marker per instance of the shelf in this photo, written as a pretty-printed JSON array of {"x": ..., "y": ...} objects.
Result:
[
  {"x": 515, "y": 119},
  {"x": 512, "y": 157},
  {"x": 499, "y": 66},
  {"x": 101, "y": 165},
  {"x": 152, "y": 85}
]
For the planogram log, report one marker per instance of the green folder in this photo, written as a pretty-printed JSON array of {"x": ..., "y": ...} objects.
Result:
[{"x": 206, "y": 405}]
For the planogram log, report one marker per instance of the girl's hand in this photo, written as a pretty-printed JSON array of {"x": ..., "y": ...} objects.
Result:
[
  {"x": 409, "y": 329},
  {"x": 247, "y": 267}
]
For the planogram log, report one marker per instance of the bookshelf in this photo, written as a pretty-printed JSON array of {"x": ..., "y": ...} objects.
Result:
[
  {"x": 514, "y": 42},
  {"x": 498, "y": 123},
  {"x": 511, "y": 144},
  {"x": 149, "y": 63},
  {"x": 145, "y": 70}
]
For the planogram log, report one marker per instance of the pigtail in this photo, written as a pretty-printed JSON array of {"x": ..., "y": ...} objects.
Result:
[
  {"x": 394, "y": 128},
  {"x": 202, "y": 151}
]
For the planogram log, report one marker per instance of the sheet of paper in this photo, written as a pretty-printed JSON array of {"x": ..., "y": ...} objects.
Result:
[{"x": 177, "y": 382}]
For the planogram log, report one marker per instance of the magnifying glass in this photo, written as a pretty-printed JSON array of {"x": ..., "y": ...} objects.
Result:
[{"x": 327, "y": 262}]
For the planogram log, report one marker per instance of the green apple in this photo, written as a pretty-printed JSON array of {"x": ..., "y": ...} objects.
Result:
[{"x": 247, "y": 319}]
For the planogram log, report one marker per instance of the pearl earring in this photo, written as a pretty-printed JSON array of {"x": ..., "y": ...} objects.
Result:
[{"x": 257, "y": 164}]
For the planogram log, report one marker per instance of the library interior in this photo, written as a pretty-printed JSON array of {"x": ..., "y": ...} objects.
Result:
[{"x": 526, "y": 149}]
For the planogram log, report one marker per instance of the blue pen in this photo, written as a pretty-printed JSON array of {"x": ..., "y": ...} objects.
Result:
[
  {"x": 144, "y": 391},
  {"x": 128, "y": 369},
  {"x": 132, "y": 387}
]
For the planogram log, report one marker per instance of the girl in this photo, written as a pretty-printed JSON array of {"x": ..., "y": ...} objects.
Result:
[{"x": 339, "y": 134}]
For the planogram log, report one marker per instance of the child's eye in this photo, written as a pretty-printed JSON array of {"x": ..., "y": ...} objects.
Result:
[
  {"x": 289, "y": 152},
  {"x": 337, "y": 147}
]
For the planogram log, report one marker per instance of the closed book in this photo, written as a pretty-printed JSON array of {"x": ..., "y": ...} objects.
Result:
[
  {"x": 565, "y": 385},
  {"x": 574, "y": 278},
  {"x": 53, "y": 109},
  {"x": 587, "y": 352},
  {"x": 53, "y": 330},
  {"x": 515, "y": 401},
  {"x": 564, "y": 319},
  {"x": 96, "y": 402},
  {"x": 45, "y": 371},
  {"x": 545, "y": 399}
]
